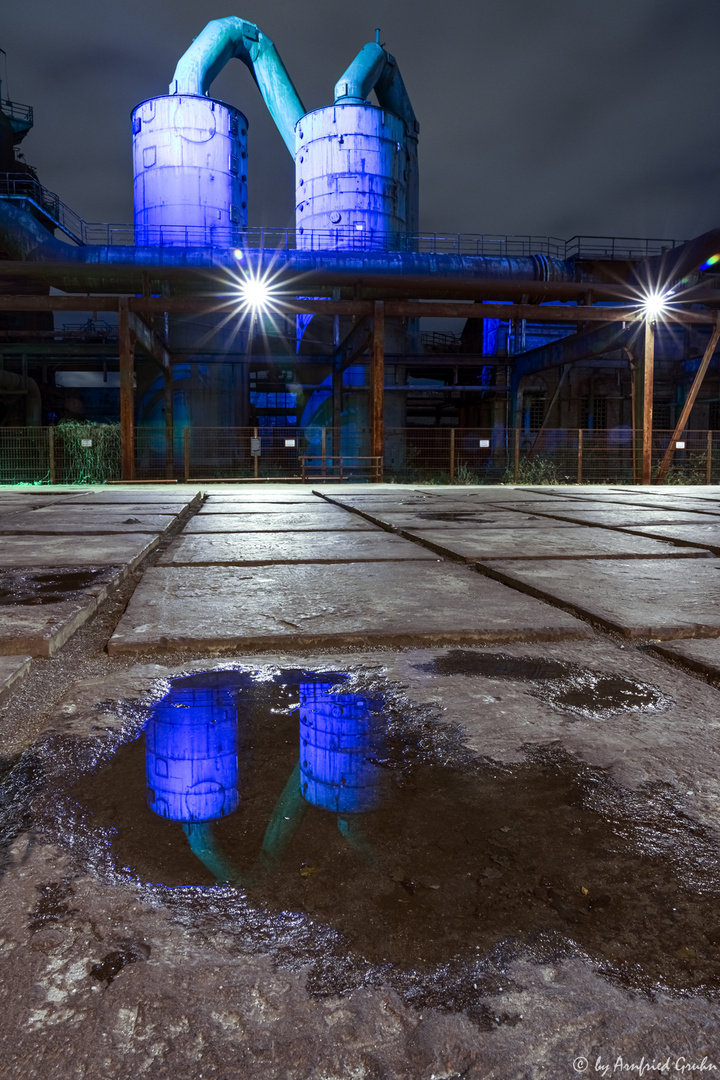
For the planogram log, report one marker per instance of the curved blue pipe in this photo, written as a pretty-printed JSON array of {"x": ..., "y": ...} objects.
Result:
[{"x": 223, "y": 39}]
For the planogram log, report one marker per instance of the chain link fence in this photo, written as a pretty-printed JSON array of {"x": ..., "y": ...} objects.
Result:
[{"x": 76, "y": 453}]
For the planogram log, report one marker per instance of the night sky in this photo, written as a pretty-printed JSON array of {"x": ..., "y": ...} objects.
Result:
[{"x": 550, "y": 117}]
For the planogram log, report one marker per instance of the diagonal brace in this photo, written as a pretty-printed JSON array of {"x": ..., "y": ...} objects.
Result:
[{"x": 690, "y": 401}]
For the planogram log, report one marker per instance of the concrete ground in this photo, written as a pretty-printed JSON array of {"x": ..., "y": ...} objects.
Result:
[{"x": 549, "y": 659}]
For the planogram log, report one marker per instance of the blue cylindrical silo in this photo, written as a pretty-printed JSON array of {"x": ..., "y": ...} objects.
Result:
[
  {"x": 338, "y": 741},
  {"x": 191, "y": 755},
  {"x": 190, "y": 171},
  {"x": 353, "y": 179}
]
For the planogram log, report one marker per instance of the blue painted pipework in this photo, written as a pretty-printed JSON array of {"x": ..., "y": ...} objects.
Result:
[{"x": 191, "y": 753}]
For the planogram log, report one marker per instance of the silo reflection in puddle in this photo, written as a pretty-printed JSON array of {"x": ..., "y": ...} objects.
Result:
[
  {"x": 191, "y": 755},
  {"x": 339, "y": 744}
]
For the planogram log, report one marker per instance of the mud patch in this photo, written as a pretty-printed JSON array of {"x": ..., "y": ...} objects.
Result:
[
  {"x": 48, "y": 586},
  {"x": 565, "y": 686}
]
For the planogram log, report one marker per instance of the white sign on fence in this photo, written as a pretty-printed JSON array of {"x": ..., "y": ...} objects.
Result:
[
  {"x": 255, "y": 447},
  {"x": 290, "y": 442},
  {"x": 483, "y": 443},
  {"x": 679, "y": 445},
  {"x": 86, "y": 442}
]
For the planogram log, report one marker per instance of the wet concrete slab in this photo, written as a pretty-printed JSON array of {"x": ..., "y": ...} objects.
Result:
[
  {"x": 639, "y": 598},
  {"x": 62, "y": 551},
  {"x": 40, "y": 625},
  {"x": 113, "y": 510},
  {"x": 235, "y": 506},
  {"x": 705, "y": 535},
  {"x": 439, "y": 518},
  {"x": 619, "y": 517},
  {"x": 220, "y": 608},
  {"x": 12, "y": 670},
  {"x": 286, "y": 523},
  {"x": 136, "y": 498},
  {"x": 481, "y": 543},
  {"x": 319, "y": 547},
  {"x": 47, "y": 522},
  {"x": 702, "y": 656}
]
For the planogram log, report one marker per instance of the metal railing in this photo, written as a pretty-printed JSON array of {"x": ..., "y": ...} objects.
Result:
[
  {"x": 76, "y": 453},
  {"x": 24, "y": 187}
]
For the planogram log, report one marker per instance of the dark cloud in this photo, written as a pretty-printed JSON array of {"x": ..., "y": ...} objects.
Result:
[{"x": 537, "y": 116}]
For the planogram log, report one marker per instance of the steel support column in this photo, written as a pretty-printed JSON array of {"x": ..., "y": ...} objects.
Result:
[
  {"x": 377, "y": 380},
  {"x": 168, "y": 397},
  {"x": 126, "y": 343},
  {"x": 648, "y": 375}
]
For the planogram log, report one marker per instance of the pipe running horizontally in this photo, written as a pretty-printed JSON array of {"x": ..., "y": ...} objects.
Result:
[{"x": 220, "y": 41}]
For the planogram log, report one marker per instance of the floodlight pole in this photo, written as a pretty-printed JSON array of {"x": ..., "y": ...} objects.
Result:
[{"x": 648, "y": 383}]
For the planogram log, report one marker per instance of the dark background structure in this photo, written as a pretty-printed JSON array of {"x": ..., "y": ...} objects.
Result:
[{"x": 553, "y": 118}]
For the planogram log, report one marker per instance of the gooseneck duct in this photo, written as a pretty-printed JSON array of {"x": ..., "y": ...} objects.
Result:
[{"x": 220, "y": 41}]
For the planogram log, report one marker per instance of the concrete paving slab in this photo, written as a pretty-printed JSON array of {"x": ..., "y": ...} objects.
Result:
[
  {"x": 702, "y": 656},
  {"x": 220, "y": 608},
  {"x": 54, "y": 551},
  {"x": 12, "y": 670},
  {"x": 42, "y": 629},
  {"x": 300, "y": 522},
  {"x": 567, "y": 542},
  {"x": 639, "y": 598},
  {"x": 232, "y": 549},
  {"x": 453, "y": 519},
  {"x": 109, "y": 510},
  {"x": 695, "y": 535},
  {"x": 95, "y": 523},
  {"x": 238, "y": 506},
  {"x": 620, "y": 517},
  {"x": 136, "y": 498}
]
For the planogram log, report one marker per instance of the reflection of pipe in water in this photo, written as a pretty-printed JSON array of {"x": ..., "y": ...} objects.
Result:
[
  {"x": 191, "y": 754},
  {"x": 338, "y": 739}
]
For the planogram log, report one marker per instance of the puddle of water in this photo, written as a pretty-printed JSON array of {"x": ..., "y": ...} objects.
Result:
[
  {"x": 46, "y": 586},
  {"x": 326, "y": 817},
  {"x": 565, "y": 686}
]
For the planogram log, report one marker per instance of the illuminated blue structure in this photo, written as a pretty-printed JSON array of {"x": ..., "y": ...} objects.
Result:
[
  {"x": 190, "y": 150},
  {"x": 191, "y": 753},
  {"x": 356, "y": 174},
  {"x": 189, "y": 171},
  {"x": 339, "y": 738}
]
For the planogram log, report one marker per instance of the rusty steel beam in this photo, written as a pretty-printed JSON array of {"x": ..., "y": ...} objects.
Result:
[
  {"x": 690, "y": 401},
  {"x": 648, "y": 388},
  {"x": 150, "y": 341},
  {"x": 192, "y": 305},
  {"x": 377, "y": 381},
  {"x": 126, "y": 341}
]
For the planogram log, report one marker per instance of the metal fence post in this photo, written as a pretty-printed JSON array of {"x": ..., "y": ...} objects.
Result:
[
  {"x": 516, "y": 458},
  {"x": 452, "y": 454},
  {"x": 580, "y": 453},
  {"x": 51, "y": 454},
  {"x": 186, "y": 453},
  {"x": 708, "y": 459},
  {"x": 323, "y": 451},
  {"x": 256, "y": 459}
]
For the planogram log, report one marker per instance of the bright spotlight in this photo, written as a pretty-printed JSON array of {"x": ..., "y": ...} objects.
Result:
[
  {"x": 238, "y": 254},
  {"x": 654, "y": 306},
  {"x": 255, "y": 294}
]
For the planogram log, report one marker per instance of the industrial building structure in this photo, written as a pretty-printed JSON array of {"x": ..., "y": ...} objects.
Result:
[{"x": 228, "y": 351}]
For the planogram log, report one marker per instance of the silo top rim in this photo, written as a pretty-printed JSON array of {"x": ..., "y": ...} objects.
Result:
[{"x": 199, "y": 97}]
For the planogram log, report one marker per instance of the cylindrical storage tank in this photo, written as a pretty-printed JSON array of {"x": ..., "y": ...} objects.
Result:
[
  {"x": 191, "y": 755},
  {"x": 338, "y": 740},
  {"x": 351, "y": 179},
  {"x": 190, "y": 171}
]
